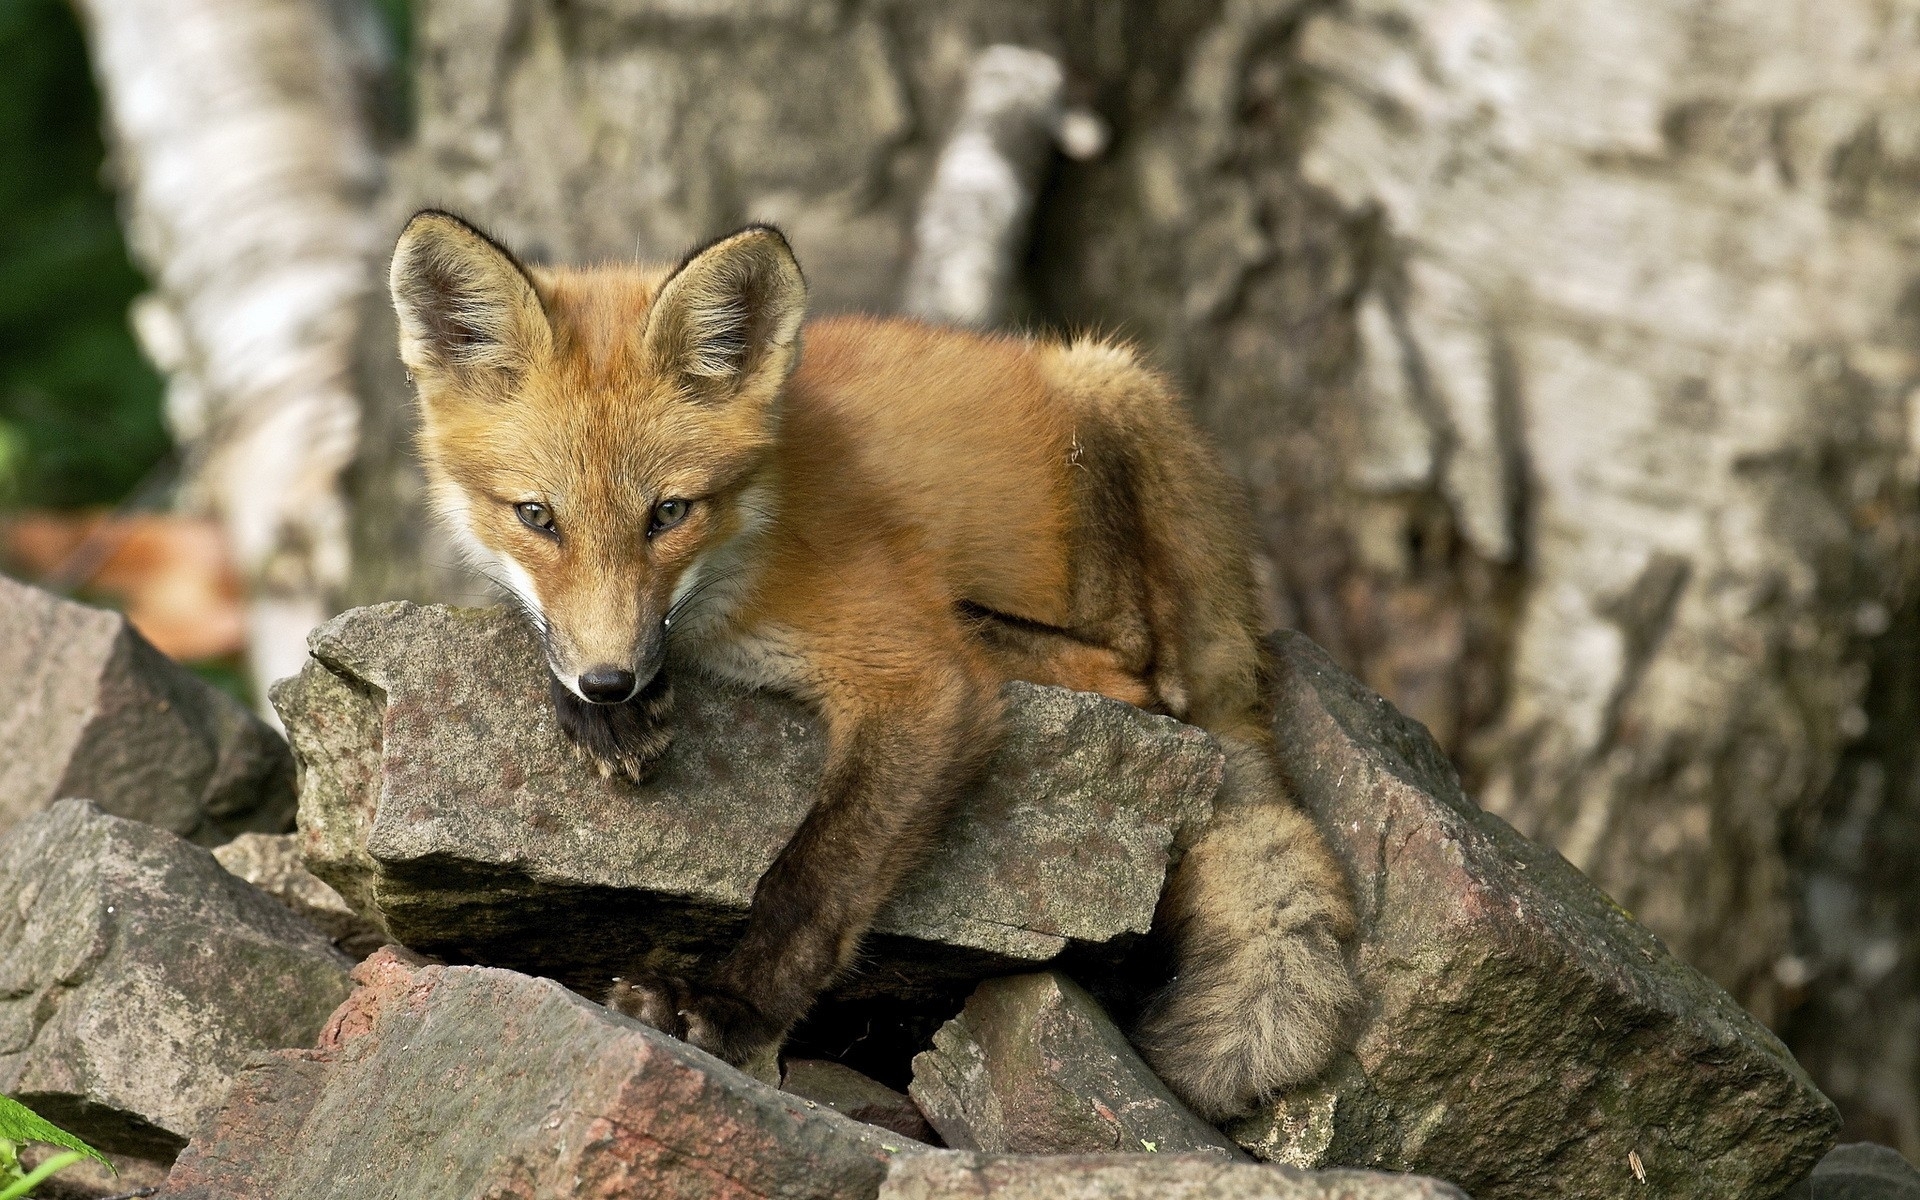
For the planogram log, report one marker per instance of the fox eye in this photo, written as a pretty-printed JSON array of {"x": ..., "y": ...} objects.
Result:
[
  {"x": 535, "y": 516},
  {"x": 669, "y": 513}
]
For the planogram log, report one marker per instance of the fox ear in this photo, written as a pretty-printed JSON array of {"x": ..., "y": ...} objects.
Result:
[
  {"x": 727, "y": 322},
  {"x": 466, "y": 305}
]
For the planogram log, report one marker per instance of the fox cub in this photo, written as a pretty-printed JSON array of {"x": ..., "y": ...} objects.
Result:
[{"x": 889, "y": 526}]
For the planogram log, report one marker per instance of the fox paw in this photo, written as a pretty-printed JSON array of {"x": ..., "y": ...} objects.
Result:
[
  {"x": 723, "y": 1025},
  {"x": 627, "y": 739}
]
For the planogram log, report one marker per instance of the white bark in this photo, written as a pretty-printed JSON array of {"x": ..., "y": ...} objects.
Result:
[
  {"x": 246, "y": 167},
  {"x": 1641, "y": 321},
  {"x": 974, "y": 221}
]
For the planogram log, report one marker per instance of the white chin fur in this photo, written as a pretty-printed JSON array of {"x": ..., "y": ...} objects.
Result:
[{"x": 450, "y": 503}]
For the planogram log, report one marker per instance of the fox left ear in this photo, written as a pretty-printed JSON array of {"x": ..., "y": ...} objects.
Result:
[
  {"x": 727, "y": 322},
  {"x": 467, "y": 307}
]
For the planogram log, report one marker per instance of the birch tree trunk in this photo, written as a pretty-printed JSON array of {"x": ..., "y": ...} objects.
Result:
[
  {"x": 1570, "y": 351},
  {"x": 244, "y": 154},
  {"x": 1567, "y": 348}
]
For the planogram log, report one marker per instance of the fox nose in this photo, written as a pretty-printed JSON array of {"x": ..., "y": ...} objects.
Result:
[{"x": 606, "y": 685}]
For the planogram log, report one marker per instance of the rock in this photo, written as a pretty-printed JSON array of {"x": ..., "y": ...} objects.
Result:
[
  {"x": 1140, "y": 1177},
  {"x": 136, "y": 976},
  {"x": 1860, "y": 1171},
  {"x": 90, "y": 709},
  {"x": 458, "y": 1082},
  {"x": 1524, "y": 1036},
  {"x": 272, "y": 863},
  {"x": 849, "y": 1093},
  {"x": 1033, "y": 1066},
  {"x": 439, "y": 797}
]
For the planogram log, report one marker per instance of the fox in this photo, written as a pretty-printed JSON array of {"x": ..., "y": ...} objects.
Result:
[{"x": 675, "y": 472}]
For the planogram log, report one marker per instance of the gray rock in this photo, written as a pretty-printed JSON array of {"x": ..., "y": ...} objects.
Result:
[
  {"x": 1033, "y": 1066},
  {"x": 851, "y": 1094},
  {"x": 1140, "y": 1177},
  {"x": 459, "y": 1082},
  {"x": 89, "y": 708},
  {"x": 1860, "y": 1171},
  {"x": 136, "y": 976},
  {"x": 1524, "y": 1037},
  {"x": 439, "y": 797},
  {"x": 273, "y": 863}
]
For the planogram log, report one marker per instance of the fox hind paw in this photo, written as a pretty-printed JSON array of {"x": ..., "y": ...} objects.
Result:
[{"x": 627, "y": 739}]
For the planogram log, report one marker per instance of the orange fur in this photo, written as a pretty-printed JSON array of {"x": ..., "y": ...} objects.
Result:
[{"x": 889, "y": 525}]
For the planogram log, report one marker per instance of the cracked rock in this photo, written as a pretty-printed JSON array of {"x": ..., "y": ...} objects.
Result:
[
  {"x": 136, "y": 976},
  {"x": 440, "y": 798},
  {"x": 1140, "y": 1177},
  {"x": 458, "y": 1082},
  {"x": 89, "y": 708},
  {"x": 1033, "y": 1066},
  {"x": 1524, "y": 1036}
]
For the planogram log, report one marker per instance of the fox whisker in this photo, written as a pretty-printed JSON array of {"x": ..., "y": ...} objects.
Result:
[{"x": 700, "y": 589}]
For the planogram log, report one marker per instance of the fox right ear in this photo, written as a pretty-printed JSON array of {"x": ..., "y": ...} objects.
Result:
[
  {"x": 726, "y": 323},
  {"x": 466, "y": 305}
]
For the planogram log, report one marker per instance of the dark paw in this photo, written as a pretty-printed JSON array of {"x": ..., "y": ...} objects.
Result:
[
  {"x": 723, "y": 1025},
  {"x": 626, "y": 739}
]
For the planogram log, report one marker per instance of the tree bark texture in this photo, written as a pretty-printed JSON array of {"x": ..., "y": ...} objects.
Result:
[
  {"x": 1568, "y": 350},
  {"x": 243, "y": 151}
]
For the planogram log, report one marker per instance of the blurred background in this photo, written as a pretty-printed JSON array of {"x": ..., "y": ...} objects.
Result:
[{"x": 1570, "y": 350}]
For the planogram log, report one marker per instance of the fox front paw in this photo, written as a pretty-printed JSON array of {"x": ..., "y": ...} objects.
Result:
[
  {"x": 627, "y": 739},
  {"x": 725, "y": 1026}
]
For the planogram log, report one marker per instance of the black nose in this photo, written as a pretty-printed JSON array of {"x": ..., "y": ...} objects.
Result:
[{"x": 606, "y": 685}]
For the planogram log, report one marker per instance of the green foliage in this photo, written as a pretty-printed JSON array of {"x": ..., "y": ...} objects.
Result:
[
  {"x": 79, "y": 406},
  {"x": 18, "y": 1124},
  {"x": 397, "y": 17},
  {"x": 40, "y": 1174}
]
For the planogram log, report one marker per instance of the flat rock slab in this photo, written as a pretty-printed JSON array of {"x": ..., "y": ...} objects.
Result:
[
  {"x": 440, "y": 798},
  {"x": 89, "y": 708},
  {"x": 1525, "y": 1037},
  {"x": 1141, "y": 1177},
  {"x": 1033, "y": 1066},
  {"x": 137, "y": 976},
  {"x": 460, "y": 1082}
]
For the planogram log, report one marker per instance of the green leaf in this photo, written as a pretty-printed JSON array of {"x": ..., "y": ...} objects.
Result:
[
  {"x": 18, "y": 1123},
  {"x": 27, "y": 1183}
]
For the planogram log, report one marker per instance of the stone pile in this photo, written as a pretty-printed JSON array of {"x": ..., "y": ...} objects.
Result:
[
  {"x": 137, "y": 976},
  {"x": 1523, "y": 1036},
  {"x": 436, "y": 1081}
]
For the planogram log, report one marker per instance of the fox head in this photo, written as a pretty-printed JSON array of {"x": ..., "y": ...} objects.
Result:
[{"x": 596, "y": 437}]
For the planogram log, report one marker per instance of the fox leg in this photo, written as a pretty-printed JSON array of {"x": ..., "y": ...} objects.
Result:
[
  {"x": 893, "y": 772},
  {"x": 1256, "y": 912}
]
